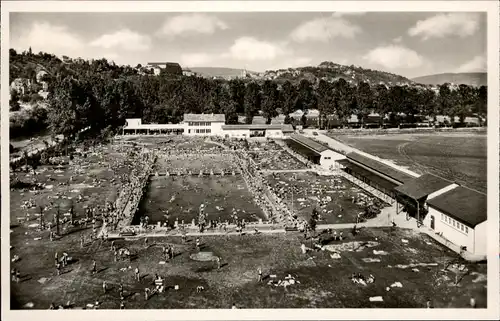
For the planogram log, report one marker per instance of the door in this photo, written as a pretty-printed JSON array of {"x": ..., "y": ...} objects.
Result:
[{"x": 432, "y": 222}]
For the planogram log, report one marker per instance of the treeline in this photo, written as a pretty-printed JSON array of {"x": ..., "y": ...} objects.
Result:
[{"x": 102, "y": 95}]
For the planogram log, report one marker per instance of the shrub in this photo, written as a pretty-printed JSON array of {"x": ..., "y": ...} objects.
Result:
[
  {"x": 14, "y": 105},
  {"x": 34, "y": 98},
  {"x": 25, "y": 98}
]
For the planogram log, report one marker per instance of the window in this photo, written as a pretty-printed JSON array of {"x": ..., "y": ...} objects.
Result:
[
  {"x": 209, "y": 131},
  {"x": 466, "y": 230},
  {"x": 462, "y": 227},
  {"x": 442, "y": 216},
  {"x": 453, "y": 223}
]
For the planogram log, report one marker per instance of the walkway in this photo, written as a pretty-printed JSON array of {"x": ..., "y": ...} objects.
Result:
[
  {"x": 337, "y": 145},
  {"x": 264, "y": 171}
]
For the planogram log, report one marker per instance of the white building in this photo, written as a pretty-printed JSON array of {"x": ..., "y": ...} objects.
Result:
[
  {"x": 256, "y": 130},
  {"x": 314, "y": 151},
  {"x": 207, "y": 125},
  {"x": 203, "y": 124},
  {"x": 135, "y": 126},
  {"x": 456, "y": 213},
  {"x": 460, "y": 214}
]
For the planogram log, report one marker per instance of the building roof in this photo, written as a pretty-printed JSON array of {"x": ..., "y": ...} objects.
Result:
[
  {"x": 205, "y": 117},
  {"x": 422, "y": 186},
  {"x": 163, "y": 63},
  {"x": 381, "y": 167},
  {"x": 301, "y": 149},
  {"x": 317, "y": 147},
  {"x": 285, "y": 128},
  {"x": 463, "y": 204},
  {"x": 373, "y": 179}
]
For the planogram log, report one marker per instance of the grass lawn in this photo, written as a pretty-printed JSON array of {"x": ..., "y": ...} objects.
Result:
[
  {"x": 309, "y": 188},
  {"x": 324, "y": 281},
  {"x": 458, "y": 157},
  {"x": 96, "y": 178},
  {"x": 183, "y": 195},
  {"x": 273, "y": 157}
]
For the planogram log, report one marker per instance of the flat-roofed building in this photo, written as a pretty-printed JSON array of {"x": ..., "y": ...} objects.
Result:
[
  {"x": 203, "y": 124},
  {"x": 134, "y": 126},
  {"x": 256, "y": 130}
]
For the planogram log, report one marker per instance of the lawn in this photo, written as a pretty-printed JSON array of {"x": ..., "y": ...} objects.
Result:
[
  {"x": 332, "y": 196},
  {"x": 274, "y": 157},
  {"x": 324, "y": 281},
  {"x": 459, "y": 157},
  {"x": 95, "y": 178},
  {"x": 183, "y": 195}
]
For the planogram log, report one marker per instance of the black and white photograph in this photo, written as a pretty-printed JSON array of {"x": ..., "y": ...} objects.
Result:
[{"x": 202, "y": 158}]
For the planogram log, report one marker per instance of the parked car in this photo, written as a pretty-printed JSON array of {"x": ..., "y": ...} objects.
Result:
[{"x": 315, "y": 133}]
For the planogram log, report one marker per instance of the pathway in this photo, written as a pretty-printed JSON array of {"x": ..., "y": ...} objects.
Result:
[
  {"x": 265, "y": 171},
  {"x": 337, "y": 145}
]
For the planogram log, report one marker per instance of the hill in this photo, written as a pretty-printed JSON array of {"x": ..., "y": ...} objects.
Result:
[
  {"x": 331, "y": 71},
  {"x": 467, "y": 78},
  {"x": 210, "y": 72}
]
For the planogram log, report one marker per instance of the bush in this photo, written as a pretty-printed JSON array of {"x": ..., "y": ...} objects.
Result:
[
  {"x": 25, "y": 98},
  {"x": 14, "y": 105},
  {"x": 34, "y": 98}
]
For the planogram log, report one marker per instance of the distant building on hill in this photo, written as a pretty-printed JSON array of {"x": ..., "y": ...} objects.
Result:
[
  {"x": 188, "y": 72},
  {"x": 172, "y": 68}
]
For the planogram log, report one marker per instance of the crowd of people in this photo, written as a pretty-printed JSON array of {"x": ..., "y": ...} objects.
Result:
[{"x": 131, "y": 193}]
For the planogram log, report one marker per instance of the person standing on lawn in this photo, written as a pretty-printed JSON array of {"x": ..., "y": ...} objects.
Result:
[
  {"x": 94, "y": 267},
  {"x": 137, "y": 275}
]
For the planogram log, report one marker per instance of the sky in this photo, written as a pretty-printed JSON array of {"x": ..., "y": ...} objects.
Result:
[{"x": 405, "y": 43}]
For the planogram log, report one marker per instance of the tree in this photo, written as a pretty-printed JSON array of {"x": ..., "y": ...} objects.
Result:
[
  {"x": 397, "y": 101},
  {"x": 228, "y": 106},
  {"x": 481, "y": 105},
  {"x": 237, "y": 90},
  {"x": 270, "y": 99},
  {"x": 381, "y": 102},
  {"x": 465, "y": 98},
  {"x": 252, "y": 101},
  {"x": 306, "y": 98},
  {"x": 288, "y": 97},
  {"x": 342, "y": 99},
  {"x": 325, "y": 99},
  {"x": 445, "y": 101},
  {"x": 313, "y": 220},
  {"x": 428, "y": 100},
  {"x": 364, "y": 100}
]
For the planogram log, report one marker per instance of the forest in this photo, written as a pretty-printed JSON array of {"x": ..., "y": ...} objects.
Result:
[{"x": 101, "y": 94}]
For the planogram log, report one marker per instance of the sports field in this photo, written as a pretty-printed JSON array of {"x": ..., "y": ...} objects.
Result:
[{"x": 459, "y": 157}]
